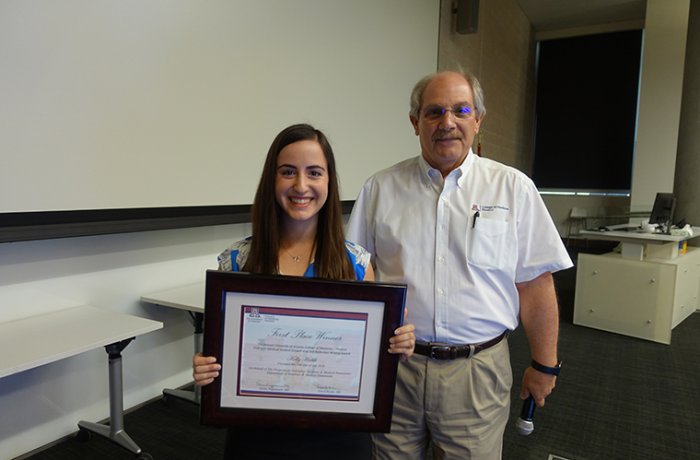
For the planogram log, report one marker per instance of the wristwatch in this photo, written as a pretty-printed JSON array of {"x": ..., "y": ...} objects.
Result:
[{"x": 546, "y": 369}]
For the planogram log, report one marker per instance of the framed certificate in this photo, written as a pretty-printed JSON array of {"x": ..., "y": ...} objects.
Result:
[{"x": 300, "y": 352}]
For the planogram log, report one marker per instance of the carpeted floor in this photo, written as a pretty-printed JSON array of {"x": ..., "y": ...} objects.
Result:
[{"x": 617, "y": 398}]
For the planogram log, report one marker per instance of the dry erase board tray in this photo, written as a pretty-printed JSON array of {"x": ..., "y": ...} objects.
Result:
[{"x": 27, "y": 226}]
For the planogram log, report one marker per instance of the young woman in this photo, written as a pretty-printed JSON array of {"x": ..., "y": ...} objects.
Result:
[{"x": 298, "y": 231}]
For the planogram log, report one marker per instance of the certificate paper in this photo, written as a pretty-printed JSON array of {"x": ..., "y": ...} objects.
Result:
[
  {"x": 280, "y": 337},
  {"x": 306, "y": 354}
]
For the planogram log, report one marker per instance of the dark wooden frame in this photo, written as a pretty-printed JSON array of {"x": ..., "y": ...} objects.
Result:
[{"x": 219, "y": 283}]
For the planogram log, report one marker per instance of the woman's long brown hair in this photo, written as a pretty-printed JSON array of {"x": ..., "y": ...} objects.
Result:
[{"x": 331, "y": 260}]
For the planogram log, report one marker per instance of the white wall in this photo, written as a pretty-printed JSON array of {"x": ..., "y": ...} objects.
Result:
[
  {"x": 112, "y": 272},
  {"x": 661, "y": 91}
]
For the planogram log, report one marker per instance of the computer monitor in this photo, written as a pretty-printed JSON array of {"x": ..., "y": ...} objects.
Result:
[{"x": 662, "y": 212}]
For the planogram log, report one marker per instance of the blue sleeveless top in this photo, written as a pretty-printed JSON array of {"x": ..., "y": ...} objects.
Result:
[{"x": 235, "y": 256}]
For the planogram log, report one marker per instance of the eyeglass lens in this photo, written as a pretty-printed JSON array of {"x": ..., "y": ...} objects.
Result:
[{"x": 436, "y": 112}]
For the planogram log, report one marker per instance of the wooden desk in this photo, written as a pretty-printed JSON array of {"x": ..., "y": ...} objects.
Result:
[
  {"x": 191, "y": 299},
  {"x": 42, "y": 339}
]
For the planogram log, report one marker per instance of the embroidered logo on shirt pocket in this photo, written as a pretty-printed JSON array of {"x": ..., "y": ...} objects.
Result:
[{"x": 488, "y": 244}]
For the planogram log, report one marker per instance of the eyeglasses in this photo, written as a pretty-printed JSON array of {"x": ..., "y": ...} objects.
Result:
[{"x": 436, "y": 112}]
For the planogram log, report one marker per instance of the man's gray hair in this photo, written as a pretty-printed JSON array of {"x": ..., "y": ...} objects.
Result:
[{"x": 419, "y": 89}]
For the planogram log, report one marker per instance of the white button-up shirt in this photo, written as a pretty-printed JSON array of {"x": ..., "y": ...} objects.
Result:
[{"x": 460, "y": 244}]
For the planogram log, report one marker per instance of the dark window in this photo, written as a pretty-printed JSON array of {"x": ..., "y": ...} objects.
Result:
[{"x": 587, "y": 91}]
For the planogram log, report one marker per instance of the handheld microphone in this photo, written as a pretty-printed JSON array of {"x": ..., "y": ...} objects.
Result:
[{"x": 524, "y": 424}]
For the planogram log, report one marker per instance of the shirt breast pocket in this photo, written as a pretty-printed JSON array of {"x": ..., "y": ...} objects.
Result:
[{"x": 489, "y": 245}]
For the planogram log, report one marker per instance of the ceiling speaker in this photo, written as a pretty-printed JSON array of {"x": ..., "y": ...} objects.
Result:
[{"x": 467, "y": 16}]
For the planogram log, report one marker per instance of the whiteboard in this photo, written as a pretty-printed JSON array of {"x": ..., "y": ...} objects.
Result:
[{"x": 159, "y": 103}]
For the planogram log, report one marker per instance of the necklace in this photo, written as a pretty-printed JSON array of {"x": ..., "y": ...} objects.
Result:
[{"x": 297, "y": 258}]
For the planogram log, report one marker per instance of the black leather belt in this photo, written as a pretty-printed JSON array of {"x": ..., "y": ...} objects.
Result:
[{"x": 436, "y": 350}]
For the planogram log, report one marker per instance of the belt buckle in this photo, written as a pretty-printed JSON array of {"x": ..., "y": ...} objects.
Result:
[
  {"x": 472, "y": 351},
  {"x": 441, "y": 352}
]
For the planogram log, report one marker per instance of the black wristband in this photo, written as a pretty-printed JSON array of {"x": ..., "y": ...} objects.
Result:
[{"x": 546, "y": 369}]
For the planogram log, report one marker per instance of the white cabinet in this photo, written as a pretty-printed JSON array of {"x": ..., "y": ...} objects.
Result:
[
  {"x": 685, "y": 299},
  {"x": 640, "y": 298}
]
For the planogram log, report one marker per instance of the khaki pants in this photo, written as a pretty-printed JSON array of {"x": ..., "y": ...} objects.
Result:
[{"x": 462, "y": 405}]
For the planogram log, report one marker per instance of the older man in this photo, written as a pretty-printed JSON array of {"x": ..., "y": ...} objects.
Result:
[{"x": 476, "y": 246}]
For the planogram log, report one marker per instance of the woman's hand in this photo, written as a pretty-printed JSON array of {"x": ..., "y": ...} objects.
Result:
[
  {"x": 403, "y": 341},
  {"x": 204, "y": 369}
]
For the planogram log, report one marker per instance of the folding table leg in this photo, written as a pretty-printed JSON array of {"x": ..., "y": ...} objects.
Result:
[
  {"x": 115, "y": 430},
  {"x": 187, "y": 395}
]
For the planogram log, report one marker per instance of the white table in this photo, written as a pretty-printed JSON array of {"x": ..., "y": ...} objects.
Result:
[
  {"x": 639, "y": 245},
  {"x": 49, "y": 337},
  {"x": 191, "y": 299},
  {"x": 644, "y": 291}
]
